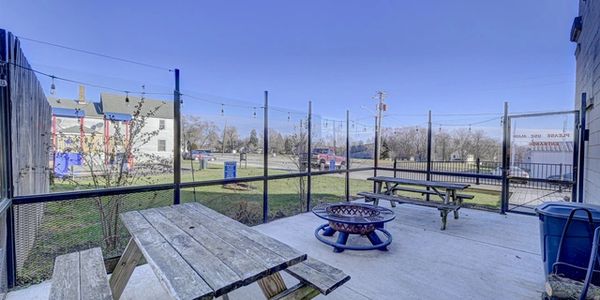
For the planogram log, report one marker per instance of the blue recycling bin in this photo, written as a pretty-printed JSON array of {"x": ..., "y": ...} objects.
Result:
[{"x": 577, "y": 243}]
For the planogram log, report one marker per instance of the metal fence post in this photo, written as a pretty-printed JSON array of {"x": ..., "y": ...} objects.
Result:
[
  {"x": 395, "y": 167},
  {"x": 347, "y": 155},
  {"x": 309, "y": 158},
  {"x": 583, "y": 136},
  {"x": 7, "y": 172},
  {"x": 177, "y": 142},
  {"x": 477, "y": 170},
  {"x": 266, "y": 160},
  {"x": 429, "y": 138},
  {"x": 505, "y": 160},
  {"x": 376, "y": 151}
]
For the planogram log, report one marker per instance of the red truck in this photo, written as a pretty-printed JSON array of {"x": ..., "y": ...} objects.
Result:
[{"x": 321, "y": 158}]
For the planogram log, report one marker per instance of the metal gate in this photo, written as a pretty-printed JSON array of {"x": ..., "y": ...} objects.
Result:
[{"x": 540, "y": 159}]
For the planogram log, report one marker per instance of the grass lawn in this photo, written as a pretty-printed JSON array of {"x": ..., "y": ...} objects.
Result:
[{"x": 75, "y": 224}]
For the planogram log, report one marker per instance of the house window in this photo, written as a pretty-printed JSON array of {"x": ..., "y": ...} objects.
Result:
[
  {"x": 161, "y": 124},
  {"x": 162, "y": 145}
]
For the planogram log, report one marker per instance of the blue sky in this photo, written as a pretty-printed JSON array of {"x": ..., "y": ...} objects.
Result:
[{"x": 462, "y": 56}]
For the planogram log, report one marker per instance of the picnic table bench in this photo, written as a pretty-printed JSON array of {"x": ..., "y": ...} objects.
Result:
[
  {"x": 80, "y": 275},
  {"x": 451, "y": 200},
  {"x": 197, "y": 253}
]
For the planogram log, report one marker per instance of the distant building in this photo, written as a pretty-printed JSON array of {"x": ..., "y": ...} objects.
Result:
[
  {"x": 545, "y": 159},
  {"x": 584, "y": 33},
  {"x": 75, "y": 120}
]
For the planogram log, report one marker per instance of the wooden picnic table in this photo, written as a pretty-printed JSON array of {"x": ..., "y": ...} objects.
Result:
[
  {"x": 392, "y": 183},
  {"x": 447, "y": 191},
  {"x": 197, "y": 253}
]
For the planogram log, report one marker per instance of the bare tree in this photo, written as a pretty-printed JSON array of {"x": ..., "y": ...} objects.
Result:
[
  {"x": 200, "y": 134},
  {"x": 109, "y": 164}
]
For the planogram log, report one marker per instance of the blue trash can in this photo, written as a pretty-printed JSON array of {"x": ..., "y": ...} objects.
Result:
[{"x": 577, "y": 243}]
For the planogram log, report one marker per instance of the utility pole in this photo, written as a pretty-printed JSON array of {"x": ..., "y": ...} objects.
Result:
[{"x": 381, "y": 107}]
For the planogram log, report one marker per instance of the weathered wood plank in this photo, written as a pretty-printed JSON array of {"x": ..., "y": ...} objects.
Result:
[
  {"x": 272, "y": 285},
  {"x": 424, "y": 192},
  {"x": 212, "y": 270},
  {"x": 426, "y": 183},
  {"x": 245, "y": 266},
  {"x": 65, "y": 278},
  {"x": 124, "y": 268},
  {"x": 269, "y": 242},
  {"x": 300, "y": 291},
  {"x": 94, "y": 281},
  {"x": 178, "y": 278},
  {"x": 272, "y": 260},
  {"x": 401, "y": 199},
  {"x": 319, "y": 275}
]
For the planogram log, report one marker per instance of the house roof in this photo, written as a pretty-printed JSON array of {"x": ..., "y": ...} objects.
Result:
[
  {"x": 75, "y": 129},
  {"x": 91, "y": 109},
  {"x": 113, "y": 103},
  {"x": 551, "y": 146}
]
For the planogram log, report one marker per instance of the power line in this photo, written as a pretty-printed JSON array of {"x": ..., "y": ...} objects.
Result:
[{"x": 96, "y": 54}]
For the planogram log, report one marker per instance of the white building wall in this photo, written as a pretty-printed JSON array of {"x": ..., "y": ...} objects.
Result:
[{"x": 588, "y": 81}]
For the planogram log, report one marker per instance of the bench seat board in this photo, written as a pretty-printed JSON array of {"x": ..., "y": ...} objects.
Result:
[
  {"x": 319, "y": 275},
  {"x": 80, "y": 275},
  {"x": 370, "y": 196},
  {"x": 424, "y": 192}
]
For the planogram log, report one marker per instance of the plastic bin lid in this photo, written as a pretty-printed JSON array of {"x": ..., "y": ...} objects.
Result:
[{"x": 563, "y": 209}]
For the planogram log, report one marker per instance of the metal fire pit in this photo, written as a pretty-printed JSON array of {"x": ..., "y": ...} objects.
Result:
[{"x": 353, "y": 218}]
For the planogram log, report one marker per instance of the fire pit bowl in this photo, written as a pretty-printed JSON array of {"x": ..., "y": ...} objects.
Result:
[
  {"x": 350, "y": 211},
  {"x": 353, "y": 218}
]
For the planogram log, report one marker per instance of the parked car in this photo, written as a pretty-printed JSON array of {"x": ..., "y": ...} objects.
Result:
[
  {"x": 518, "y": 175},
  {"x": 200, "y": 154},
  {"x": 321, "y": 157},
  {"x": 563, "y": 177}
]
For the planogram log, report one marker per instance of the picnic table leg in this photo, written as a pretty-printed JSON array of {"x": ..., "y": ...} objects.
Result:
[
  {"x": 389, "y": 191},
  {"x": 444, "y": 214},
  {"x": 456, "y": 202},
  {"x": 378, "y": 188},
  {"x": 124, "y": 268}
]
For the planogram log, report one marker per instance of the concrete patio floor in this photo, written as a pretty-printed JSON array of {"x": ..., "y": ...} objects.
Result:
[{"x": 483, "y": 255}]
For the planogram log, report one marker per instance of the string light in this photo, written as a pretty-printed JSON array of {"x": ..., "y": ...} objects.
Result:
[
  {"x": 52, "y": 86},
  {"x": 254, "y": 114},
  {"x": 290, "y": 117},
  {"x": 127, "y": 97},
  {"x": 222, "y": 109}
]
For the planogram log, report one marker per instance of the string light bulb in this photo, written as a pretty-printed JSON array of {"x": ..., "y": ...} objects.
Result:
[
  {"x": 127, "y": 97},
  {"x": 289, "y": 117},
  {"x": 52, "y": 86},
  {"x": 222, "y": 110},
  {"x": 254, "y": 114}
]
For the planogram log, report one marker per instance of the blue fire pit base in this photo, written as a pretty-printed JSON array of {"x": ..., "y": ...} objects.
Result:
[{"x": 340, "y": 244}]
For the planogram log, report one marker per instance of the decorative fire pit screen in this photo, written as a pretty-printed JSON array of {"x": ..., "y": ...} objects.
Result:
[{"x": 353, "y": 218}]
